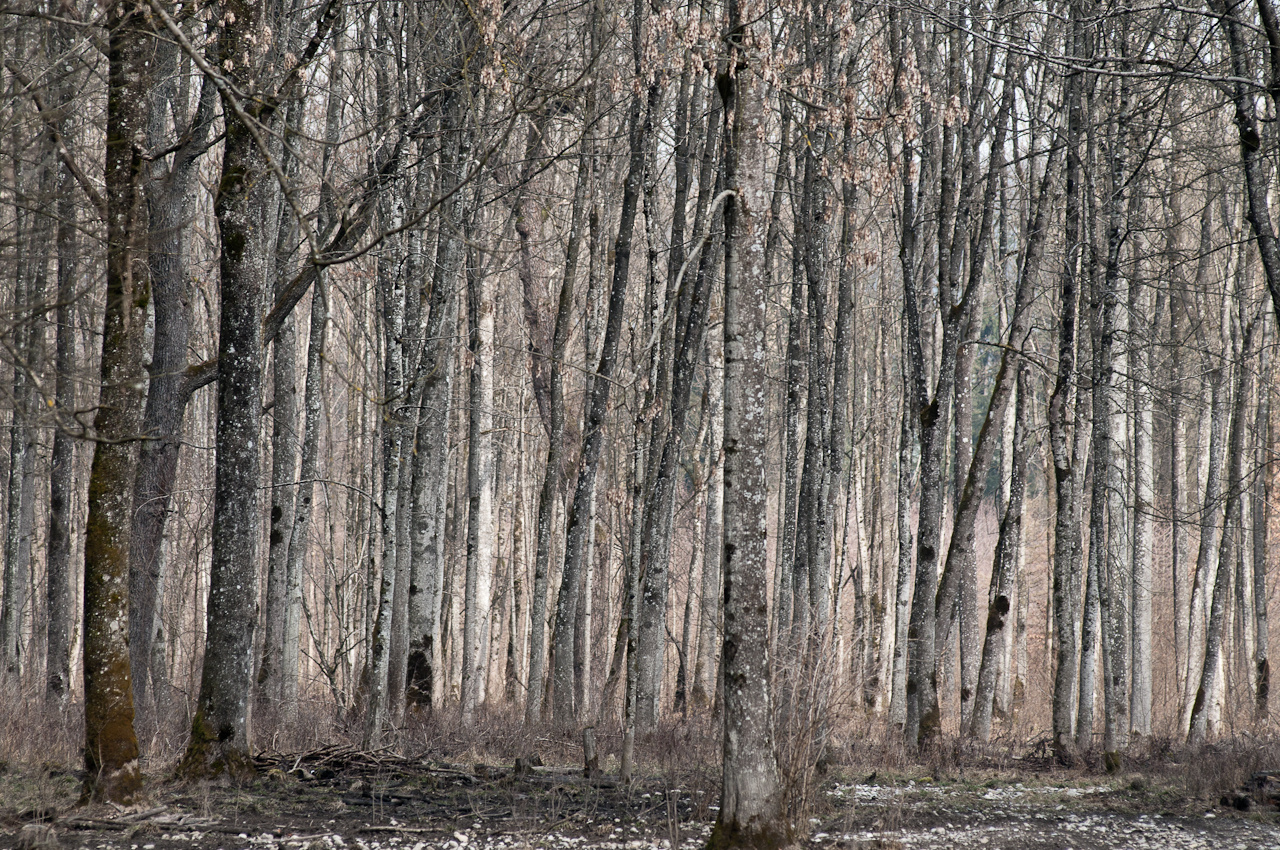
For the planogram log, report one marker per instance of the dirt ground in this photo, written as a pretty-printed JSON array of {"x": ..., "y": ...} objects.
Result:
[{"x": 341, "y": 799}]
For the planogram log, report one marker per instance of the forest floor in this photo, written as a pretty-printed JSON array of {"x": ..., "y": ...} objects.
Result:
[{"x": 338, "y": 797}]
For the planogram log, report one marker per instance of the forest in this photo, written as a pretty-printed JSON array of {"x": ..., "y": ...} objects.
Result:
[{"x": 821, "y": 368}]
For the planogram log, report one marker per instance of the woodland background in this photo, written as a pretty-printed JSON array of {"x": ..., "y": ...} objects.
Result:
[{"x": 412, "y": 391}]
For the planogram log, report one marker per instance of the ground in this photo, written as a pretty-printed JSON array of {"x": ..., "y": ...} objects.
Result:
[{"x": 340, "y": 798}]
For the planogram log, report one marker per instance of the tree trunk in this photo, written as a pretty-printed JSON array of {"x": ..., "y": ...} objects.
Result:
[
  {"x": 424, "y": 671},
  {"x": 219, "y": 743},
  {"x": 391, "y": 287},
  {"x": 1143, "y": 514},
  {"x": 169, "y": 197},
  {"x": 1062, "y": 425},
  {"x": 1005, "y": 571},
  {"x": 1207, "y": 693},
  {"x": 111, "y": 747},
  {"x": 480, "y": 512},
  {"x": 704, "y": 668},
  {"x": 1263, "y": 491},
  {"x": 750, "y": 811},
  {"x": 58, "y": 598}
]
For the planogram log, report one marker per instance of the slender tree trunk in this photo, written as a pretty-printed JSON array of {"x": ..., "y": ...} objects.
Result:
[
  {"x": 642, "y": 115},
  {"x": 169, "y": 197},
  {"x": 58, "y": 597},
  {"x": 553, "y": 476},
  {"x": 1210, "y": 514},
  {"x": 1066, "y": 564},
  {"x": 391, "y": 287},
  {"x": 424, "y": 670},
  {"x": 1207, "y": 692},
  {"x": 1143, "y": 517},
  {"x": 1005, "y": 571},
  {"x": 1263, "y": 492},
  {"x": 704, "y": 668},
  {"x": 480, "y": 511}
]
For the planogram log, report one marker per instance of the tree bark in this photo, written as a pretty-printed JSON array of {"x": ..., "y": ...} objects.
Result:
[
  {"x": 220, "y": 734},
  {"x": 750, "y": 810},
  {"x": 480, "y": 513},
  {"x": 112, "y": 772}
]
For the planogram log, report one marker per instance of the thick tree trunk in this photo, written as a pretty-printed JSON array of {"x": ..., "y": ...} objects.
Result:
[
  {"x": 220, "y": 735},
  {"x": 111, "y": 747},
  {"x": 750, "y": 811}
]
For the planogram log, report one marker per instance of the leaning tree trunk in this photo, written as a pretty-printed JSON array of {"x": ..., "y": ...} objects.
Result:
[
  {"x": 552, "y": 475},
  {"x": 1004, "y": 573},
  {"x": 1207, "y": 693}
]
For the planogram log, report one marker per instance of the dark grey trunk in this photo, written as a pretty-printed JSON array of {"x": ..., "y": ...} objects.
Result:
[
  {"x": 58, "y": 596},
  {"x": 111, "y": 748},
  {"x": 220, "y": 732}
]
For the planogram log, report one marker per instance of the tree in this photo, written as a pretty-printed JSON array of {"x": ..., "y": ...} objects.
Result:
[
  {"x": 111, "y": 746},
  {"x": 750, "y": 803}
]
